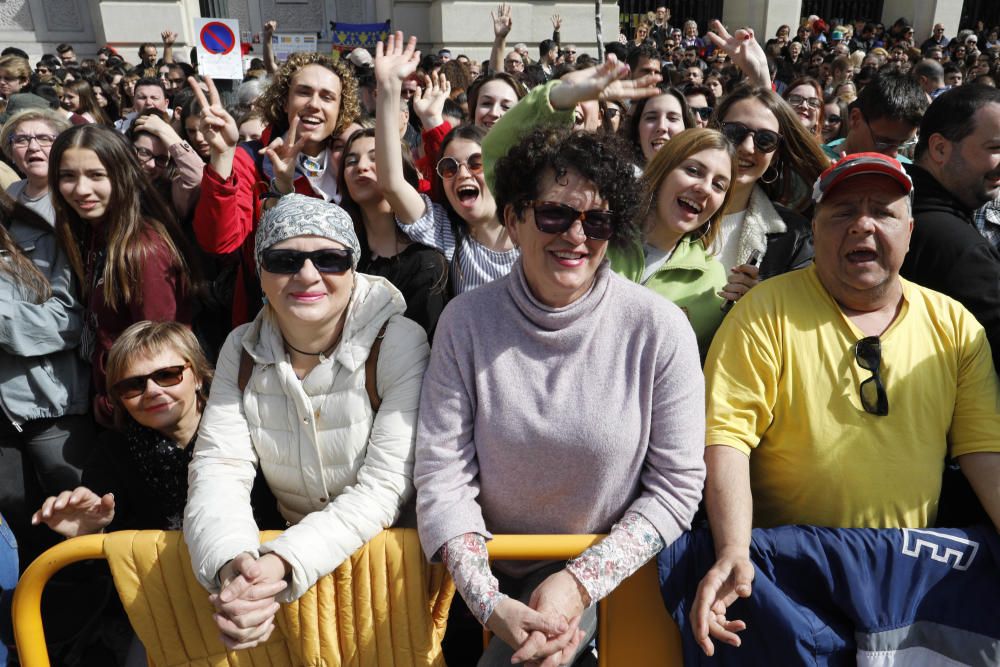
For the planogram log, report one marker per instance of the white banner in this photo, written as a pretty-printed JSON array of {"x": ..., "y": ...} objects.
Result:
[{"x": 219, "y": 52}]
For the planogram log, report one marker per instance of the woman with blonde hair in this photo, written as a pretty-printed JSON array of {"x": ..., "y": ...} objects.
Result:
[
  {"x": 136, "y": 475},
  {"x": 15, "y": 73},
  {"x": 686, "y": 187}
]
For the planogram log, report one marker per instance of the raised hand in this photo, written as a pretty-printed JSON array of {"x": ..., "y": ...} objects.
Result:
[
  {"x": 502, "y": 21},
  {"x": 168, "y": 37},
  {"x": 744, "y": 50},
  {"x": 76, "y": 512},
  {"x": 395, "y": 61},
  {"x": 556, "y": 22},
  {"x": 283, "y": 153},
  {"x": 429, "y": 101},
  {"x": 270, "y": 27},
  {"x": 220, "y": 130},
  {"x": 607, "y": 81}
]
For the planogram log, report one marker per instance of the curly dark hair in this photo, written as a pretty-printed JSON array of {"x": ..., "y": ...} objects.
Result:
[
  {"x": 272, "y": 102},
  {"x": 604, "y": 160}
]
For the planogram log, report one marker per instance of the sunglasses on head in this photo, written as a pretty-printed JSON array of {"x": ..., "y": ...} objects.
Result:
[
  {"x": 290, "y": 262},
  {"x": 136, "y": 385},
  {"x": 447, "y": 167},
  {"x": 703, "y": 112},
  {"x": 766, "y": 141},
  {"x": 555, "y": 218}
]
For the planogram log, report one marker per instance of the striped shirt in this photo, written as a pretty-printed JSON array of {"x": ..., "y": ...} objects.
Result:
[{"x": 475, "y": 265}]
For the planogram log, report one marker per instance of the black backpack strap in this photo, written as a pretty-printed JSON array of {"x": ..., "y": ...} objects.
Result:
[
  {"x": 246, "y": 370},
  {"x": 371, "y": 370}
]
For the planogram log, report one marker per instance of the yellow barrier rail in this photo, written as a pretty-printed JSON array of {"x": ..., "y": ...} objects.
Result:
[{"x": 633, "y": 625}]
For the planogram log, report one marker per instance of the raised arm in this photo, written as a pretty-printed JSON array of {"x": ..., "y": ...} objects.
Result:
[
  {"x": 395, "y": 61},
  {"x": 501, "y": 28},
  {"x": 270, "y": 63},
  {"x": 218, "y": 127},
  {"x": 744, "y": 50},
  {"x": 168, "y": 37}
]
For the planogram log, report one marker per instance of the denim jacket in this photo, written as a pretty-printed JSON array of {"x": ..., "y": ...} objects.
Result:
[{"x": 40, "y": 373}]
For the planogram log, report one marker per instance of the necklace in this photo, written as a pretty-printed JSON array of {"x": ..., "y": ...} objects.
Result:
[{"x": 312, "y": 354}]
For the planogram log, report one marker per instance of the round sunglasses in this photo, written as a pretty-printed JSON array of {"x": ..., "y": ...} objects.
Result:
[
  {"x": 290, "y": 262},
  {"x": 169, "y": 376},
  {"x": 766, "y": 141},
  {"x": 447, "y": 167}
]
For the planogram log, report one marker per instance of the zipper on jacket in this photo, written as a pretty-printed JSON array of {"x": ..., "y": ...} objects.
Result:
[{"x": 16, "y": 424}]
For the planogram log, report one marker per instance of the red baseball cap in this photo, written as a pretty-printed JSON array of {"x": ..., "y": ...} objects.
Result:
[{"x": 857, "y": 164}]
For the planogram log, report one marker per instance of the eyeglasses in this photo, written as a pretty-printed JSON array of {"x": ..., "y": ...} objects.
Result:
[
  {"x": 766, "y": 141},
  {"x": 868, "y": 354},
  {"x": 703, "y": 112},
  {"x": 136, "y": 386},
  {"x": 798, "y": 100},
  {"x": 885, "y": 145},
  {"x": 145, "y": 155},
  {"x": 447, "y": 167},
  {"x": 22, "y": 140},
  {"x": 555, "y": 218},
  {"x": 832, "y": 119},
  {"x": 290, "y": 262}
]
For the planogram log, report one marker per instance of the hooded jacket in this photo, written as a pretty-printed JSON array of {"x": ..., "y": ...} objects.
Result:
[
  {"x": 340, "y": 472},
  {"x": 948, "y": 255},
  {"x": 41, "y": 374}
]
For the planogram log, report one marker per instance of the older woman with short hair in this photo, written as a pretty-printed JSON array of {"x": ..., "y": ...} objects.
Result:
[
  {"x": 26, "y": 139},
  {"x": 560, "y": 398}
]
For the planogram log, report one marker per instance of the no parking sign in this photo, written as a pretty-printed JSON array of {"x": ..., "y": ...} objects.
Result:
[{"x": 219, "y": 54}]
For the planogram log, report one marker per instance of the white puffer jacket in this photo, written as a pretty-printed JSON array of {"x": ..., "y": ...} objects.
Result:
[{"x": 339, "y": 478}]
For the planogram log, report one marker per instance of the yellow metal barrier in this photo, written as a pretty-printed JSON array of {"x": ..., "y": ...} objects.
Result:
[
  {"x": 27, "y": 609},
  {"x": 634, "y": 627}
]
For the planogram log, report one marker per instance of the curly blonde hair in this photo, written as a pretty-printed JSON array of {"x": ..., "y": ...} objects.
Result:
[{"x": 272, "y": 102}]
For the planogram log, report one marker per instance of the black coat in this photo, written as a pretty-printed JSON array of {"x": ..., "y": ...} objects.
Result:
[
  {"x": 788, "y": 250},
  {"x": 949, "y": 255}
]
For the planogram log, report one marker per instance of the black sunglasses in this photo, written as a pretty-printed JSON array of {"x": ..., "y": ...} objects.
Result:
[
  {"x": 703, "y": 112},
  {"x": 290, "y": 262},
  {"x": 136, "y": 386},
  {"x": 555, "y": 218},
  {"x": 833, "y": 119},
  {"x": 447, "y": 167},
  {"x": 766, "y": 141},
  {"x": 868, "y": 354}
]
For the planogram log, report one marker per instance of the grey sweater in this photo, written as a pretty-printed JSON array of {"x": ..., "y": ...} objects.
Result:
[{"x": 542, "y": 420}]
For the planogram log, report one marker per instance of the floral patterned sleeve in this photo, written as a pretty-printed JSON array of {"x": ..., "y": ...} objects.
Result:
[
  {"x": 468, "y": 563},
  {"x": 631, "y": 542}
]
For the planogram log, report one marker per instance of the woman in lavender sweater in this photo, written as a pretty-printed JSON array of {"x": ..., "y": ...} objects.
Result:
[{"x": 560, "y": 398}]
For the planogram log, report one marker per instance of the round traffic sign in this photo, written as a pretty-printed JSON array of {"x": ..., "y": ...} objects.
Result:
[{"x": 217, "y": 38}]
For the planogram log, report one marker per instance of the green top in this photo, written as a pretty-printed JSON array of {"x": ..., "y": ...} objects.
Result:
[
  {"x": 690, "y": 279},
  {"x": 530, "y": 112}
]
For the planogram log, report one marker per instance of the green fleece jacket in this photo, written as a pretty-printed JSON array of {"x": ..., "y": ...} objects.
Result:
[{"x": 690, "y": 279}]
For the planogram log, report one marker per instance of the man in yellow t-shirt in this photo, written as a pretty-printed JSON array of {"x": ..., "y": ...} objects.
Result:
[{"x": 836, "y": 392}]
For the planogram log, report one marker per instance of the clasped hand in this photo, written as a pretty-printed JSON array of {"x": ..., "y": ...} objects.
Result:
[
  {"x": 246, "y": 606},
  {"x": 545, "y": 632}
]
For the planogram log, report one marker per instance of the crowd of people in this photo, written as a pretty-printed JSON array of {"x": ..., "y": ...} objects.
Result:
[{"x": 707, "y": 280}]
